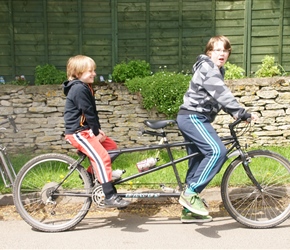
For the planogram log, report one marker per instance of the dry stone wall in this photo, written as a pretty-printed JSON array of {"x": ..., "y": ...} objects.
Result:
[{"x": 39, "y": 115}]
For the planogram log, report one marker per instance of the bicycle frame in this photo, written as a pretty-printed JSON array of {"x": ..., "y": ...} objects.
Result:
[
  {"x": 6, "y": 168},
  {"x": 172, "y": 162},
  {"x": 233, "y": 150},
  {"x": 230, "y": 141}
]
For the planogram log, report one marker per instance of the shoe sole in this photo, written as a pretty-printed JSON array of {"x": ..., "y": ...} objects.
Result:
[
  {"x": 191, "y": 209},
  {"x": 195, "y": 220},
  {"x": 115, "y": 206}
]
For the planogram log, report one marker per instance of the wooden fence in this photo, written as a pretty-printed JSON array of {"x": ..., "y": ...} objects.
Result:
[{"x": 167, "y": 33}]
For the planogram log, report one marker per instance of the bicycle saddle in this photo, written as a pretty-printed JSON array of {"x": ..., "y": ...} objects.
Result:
[{"x": 156, "y": 124}]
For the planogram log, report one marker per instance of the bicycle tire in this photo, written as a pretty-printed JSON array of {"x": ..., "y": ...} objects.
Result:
[
  {"x": 36, "y": 205},
  {"x": 243, "y": 200}
]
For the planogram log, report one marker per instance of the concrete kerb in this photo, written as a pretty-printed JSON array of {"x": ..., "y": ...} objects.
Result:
[{"x": 6, "y": 200}]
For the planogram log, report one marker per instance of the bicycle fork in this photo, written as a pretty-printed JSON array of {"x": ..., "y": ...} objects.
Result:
[{"x": 245, "y": 161}]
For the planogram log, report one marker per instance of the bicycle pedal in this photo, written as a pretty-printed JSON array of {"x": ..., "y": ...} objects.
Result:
[
  {"x": 205, "y": 203},
  {"x": 121, "y": 208}
]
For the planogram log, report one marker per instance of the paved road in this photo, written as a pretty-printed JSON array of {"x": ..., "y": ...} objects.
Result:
[{"x": 124, "y": 231}]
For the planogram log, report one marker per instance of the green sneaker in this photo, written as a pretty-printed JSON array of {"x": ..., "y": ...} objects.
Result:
[
  {"x": 193, "y": 203},
  {"x": 189, "y": 217}
]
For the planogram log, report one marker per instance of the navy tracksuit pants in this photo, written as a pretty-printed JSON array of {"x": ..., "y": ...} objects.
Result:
[{"x": 201, "y": 169}]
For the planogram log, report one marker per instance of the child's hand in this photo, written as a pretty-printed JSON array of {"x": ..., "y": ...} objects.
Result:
[
  {"x": 101, "y": 136},
  {"x": 254, "y": 117}
]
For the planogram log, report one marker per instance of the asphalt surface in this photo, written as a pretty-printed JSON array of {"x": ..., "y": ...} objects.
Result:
[
  {"x": 125, "y": 231},
  {"x": 143, "y": 226}
]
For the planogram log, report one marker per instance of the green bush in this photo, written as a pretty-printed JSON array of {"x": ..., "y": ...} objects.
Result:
[
  {"x": 269, "y": 68},
  {"x": 126, "y": 71},
  {"x": 233, "y": 71},
  {"x": 19, "y": 82},
  {"x": 48, "y": 74},
  {"x": 163, "y": 91}
]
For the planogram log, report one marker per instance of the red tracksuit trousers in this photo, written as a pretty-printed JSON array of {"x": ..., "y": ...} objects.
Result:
[{"x": 87, "y": 142}]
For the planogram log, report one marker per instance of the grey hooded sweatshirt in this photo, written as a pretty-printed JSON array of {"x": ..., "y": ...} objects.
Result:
[{"x": 207, "y": 93}]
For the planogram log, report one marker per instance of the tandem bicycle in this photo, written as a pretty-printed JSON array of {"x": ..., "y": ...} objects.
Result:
[{"x": 53, "y": 192}]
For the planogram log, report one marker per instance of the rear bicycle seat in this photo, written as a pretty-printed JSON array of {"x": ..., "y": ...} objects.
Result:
[{"x": 157, "y": 124}]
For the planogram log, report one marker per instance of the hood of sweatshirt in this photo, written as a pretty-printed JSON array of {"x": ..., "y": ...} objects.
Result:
[
  {"x": 68, "y": 84},
  {"x": 204, "y": 58},
  {"x": 200, "y": 60}
]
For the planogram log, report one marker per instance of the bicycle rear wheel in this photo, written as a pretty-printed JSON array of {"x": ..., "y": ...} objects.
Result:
[
  {"x": 45, "y": 204},
  {"x": 245, "y": 202}
]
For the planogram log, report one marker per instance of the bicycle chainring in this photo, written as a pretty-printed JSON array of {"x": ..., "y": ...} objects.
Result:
[{"x": 98, "y": 195}]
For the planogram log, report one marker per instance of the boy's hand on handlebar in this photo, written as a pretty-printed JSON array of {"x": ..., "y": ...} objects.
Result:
[{"x": 254, "y": 117}]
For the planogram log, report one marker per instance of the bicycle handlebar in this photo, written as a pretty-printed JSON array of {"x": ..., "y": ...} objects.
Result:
[
  {"x": 11, "y": 120},
  {"x": 235, "y": 123}
]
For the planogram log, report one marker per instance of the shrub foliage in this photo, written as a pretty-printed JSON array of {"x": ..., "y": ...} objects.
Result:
[
  {"x": 233, "y": 71},
  {"x": 269, "y": 68},
  {"x": 48, "y": 74},
  {"x": 126, "y": 71},
  {"x": 163, "y": 91}
]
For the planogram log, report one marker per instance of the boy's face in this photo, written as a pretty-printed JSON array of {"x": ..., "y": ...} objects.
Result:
[
  {"x": 88, "y": 76},
  {"x": 219, "y": 55}
]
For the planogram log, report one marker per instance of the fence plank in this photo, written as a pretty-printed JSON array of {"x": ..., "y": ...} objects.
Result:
[{"x": 158, "y": 31}]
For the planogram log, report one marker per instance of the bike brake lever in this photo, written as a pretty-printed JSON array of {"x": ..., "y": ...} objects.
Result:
[{"x": 12, "y": 122}]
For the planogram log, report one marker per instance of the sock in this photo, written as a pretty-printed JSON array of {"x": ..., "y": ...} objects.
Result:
[
  {"x": 108, "y": 189},
  {"x": 188, "y": 191}
]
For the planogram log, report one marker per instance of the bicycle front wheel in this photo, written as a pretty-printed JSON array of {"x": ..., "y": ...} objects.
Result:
[
  {"x": 45, "y": 200},
  {"x": 245, "y": 202}
]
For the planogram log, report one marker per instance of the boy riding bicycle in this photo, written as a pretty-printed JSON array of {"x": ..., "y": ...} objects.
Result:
[{"x": 206, "y": 96}]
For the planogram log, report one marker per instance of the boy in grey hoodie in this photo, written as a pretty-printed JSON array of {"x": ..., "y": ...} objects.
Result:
[{"x": 206, "y": 96}]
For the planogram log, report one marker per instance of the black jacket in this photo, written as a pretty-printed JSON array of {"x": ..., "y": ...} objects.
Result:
[{"x": 80, "y": 108}]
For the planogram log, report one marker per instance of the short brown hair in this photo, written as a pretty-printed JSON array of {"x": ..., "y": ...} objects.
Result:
[
  {"x": 210, "y": 44},
  {"x": 77, "y": 65}
]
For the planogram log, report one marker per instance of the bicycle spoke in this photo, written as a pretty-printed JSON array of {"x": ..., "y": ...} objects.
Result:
[
  {"x": 246, "y": 203},
  {"x": 43, "y": 202}
]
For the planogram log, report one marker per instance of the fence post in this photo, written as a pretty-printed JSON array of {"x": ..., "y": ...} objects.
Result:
[
  {"x": 247, "y": 37},
  {"x": 281, "y": 22},
  {"x": 114, "y": 18}
]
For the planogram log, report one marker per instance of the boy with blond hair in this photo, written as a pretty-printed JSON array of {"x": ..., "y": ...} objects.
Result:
[{"x": 82, "y": 125}]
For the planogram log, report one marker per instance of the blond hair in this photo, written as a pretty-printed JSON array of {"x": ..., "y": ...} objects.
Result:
[
  {"x": 77, "y": 65},
  {"x": 213, "y": 40}
]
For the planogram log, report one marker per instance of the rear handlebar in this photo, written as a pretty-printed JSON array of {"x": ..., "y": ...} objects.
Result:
[{"x": 11, "y": 120}]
